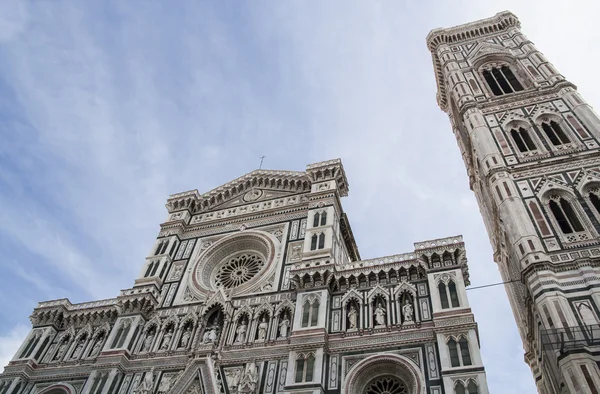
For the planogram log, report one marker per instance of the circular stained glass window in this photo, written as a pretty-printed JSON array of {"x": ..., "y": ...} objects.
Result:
[
  {"x": 238, "y": 270},
  {"x": 387, "y": 385}
]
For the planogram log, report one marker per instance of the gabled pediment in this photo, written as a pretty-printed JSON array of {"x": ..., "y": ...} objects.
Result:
[
  {"x": 261, "y": 184},
  {"x": 253, "y": 195},
  {"x": 486, "y": 49},
  {"x": 254, "y": 186}
]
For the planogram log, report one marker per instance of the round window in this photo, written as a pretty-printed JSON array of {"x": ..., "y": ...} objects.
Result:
[
  {"x": 237, "y": 270},
  {"x": 242, "y": 263},
  {"x": 387, "y": 385}
]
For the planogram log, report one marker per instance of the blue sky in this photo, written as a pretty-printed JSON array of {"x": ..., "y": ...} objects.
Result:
[{"x": 106, "y": 108}]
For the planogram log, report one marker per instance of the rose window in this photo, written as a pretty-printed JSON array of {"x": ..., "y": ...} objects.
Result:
[
  {"x": 238, "y": 270},
  {"x": 387, "y": 385}
]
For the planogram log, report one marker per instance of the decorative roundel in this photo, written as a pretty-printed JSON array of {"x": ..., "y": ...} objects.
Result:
[
  {"x": 238, "y": 270},
  {"x": 387, "y": 385},
  {"x": 241, "y": 262},
  {"x": 252, "y": 195}
]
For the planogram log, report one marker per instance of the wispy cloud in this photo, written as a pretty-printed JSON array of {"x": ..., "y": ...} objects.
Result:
[
  {"x": 106, "y": 108},
  {"x": 10, "y": 341}
]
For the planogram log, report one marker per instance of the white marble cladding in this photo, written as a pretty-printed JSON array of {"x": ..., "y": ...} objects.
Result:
[
  {"x": 249, "y": 208},
  {"x": 84, "y": 305},
  {"x": 437, "y": 243}
]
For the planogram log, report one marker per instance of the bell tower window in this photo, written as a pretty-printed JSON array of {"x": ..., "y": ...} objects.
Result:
[
  {"x": 565, "y": 215},
  {"x": 522, "y": 140},
  {"x": 501, "y": 80},
  {"x": 555, "y": 133},
  {"x": 594, "y": 196}
]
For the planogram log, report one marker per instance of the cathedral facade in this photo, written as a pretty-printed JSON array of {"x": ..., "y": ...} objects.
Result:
[
  {"x": 530, "y": 144},
  {"x": 258, "y": 287}
]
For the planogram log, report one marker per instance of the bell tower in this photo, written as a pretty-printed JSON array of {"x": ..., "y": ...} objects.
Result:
[{"x": 530, "y": 144}]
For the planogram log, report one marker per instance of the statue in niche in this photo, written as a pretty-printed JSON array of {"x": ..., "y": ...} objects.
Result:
[
  {"x": 241, "y": 332},
  {"x": 148, "y": 341},
  {"x": 165, "y": 384},
  {"x": 352, "y": 317},
  {"x": 97, "y": 347},
  {"x": 284, "y": 326},
  {"x": 147, "y": 385},
  {"x": 167, "y": 339},
  {"x": 233, "y": 377},
  {"x": 185, "y": 337},
  {"x": 249, "y": 379},
  {"x": 210, "y": 335},
  {"x": 407, "y": 311},
  {"x": 379, "y": 315},
  {"x": 61, "y": 350},
  {"x": 262, "y": 329},
  {"x": 78, "y": 348}
]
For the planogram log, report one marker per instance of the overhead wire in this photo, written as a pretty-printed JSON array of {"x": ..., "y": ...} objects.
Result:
[{"x": 493, "y": 284}]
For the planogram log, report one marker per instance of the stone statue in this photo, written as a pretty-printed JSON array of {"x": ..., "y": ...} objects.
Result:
[
  {"x": 167, "y": 340},
  {"x": 262, "y": 329},
  {"x": 233, "y": 377},
  {"x": 78, "y": 348},
  {"x": 165, "y": 384},
  {"x": 171, "y": 382},
  {"x": 283, "y": 327},
  {"x": 379, "y": 315},
  {"x": 61, "y": 351},
  {"x": 147, "y": 385},
  {"x": 148, "y": 342},
  {"x": 352, "y": 317},
  {"x": 210, "y": 335},
  {"x": 407, "y": 311},
  {"x": 249, "y": 379},
  {"x": 97, "y": 347},
  {"x": 185, "y": 337},
  {"x": 241, "y": 332}
]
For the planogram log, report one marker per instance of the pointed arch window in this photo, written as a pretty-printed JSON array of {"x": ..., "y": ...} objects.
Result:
[
  {"x": 164, "y": 248},
  {"x": 522, "y": 139},
  {"x": 121, "y": 335},
  {"x": 443, "y": 295},
  {"x": 305, "y": 368},
  {"x": 147, "y": 274},
  {"x": 448, "y": 295},
  {"x": 464, "y": 351},
  {"x": 459, "y": 352},
  {"x": 555, "y": 133},
  {"x": 316, "y": 219},
  {"x": 453, "y": 294},
  {"x": 453, "y": 350},
  {"x": 321, "y": 240},
  {"x": 314, "y": 318},
  {"x": 299, "y": 370},
  {"x": 158, "y": 248},
  {"x": 594, "y": 196},
  {"x": 305, "y": 313},
  {"x": 313, "y": 242},
  {"x": 41, "y": 350},
  {"x": 320, "y": 219},
  {"x": 501, "y": 80},
  {"x": 472, "y": 388},
  {"x": 565, "y": 215},
  {"x": 31, "y": 345},
  {"x": 152, "y": 268},
  {"x": 459, "y": 388},
  {"x": 310, "y": 313}
]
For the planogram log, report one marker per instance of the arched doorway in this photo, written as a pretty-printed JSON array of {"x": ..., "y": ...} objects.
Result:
[
  {"x": 60, "y": 388},
  {"x": 384, "y": 374}
]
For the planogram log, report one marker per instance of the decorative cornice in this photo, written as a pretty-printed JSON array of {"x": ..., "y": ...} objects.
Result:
[
  {"x": 500, "y": 22},
  {"x": 292, "y": 181}
]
